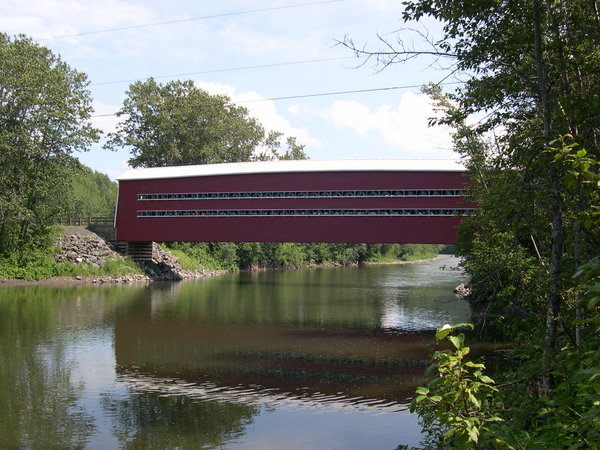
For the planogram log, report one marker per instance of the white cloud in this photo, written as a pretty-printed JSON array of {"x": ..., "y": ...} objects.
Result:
[
  {"x": 263, "y": 110},
  {"x": 113, "y": 173},
  {"x": 392, "y": 6},
  {"x": 405, "y": 126},
  {"x": 46, "y": 20}
]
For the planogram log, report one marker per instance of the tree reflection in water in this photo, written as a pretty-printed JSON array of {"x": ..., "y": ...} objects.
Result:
[
  {"x": 154, "y": 420},
  {"x": 38, "y": 398}
]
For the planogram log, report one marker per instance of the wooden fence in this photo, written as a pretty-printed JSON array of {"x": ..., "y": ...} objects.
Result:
[{"x": 85, "y": 221}]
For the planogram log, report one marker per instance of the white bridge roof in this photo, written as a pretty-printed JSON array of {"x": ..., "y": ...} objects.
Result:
[{"x": 305, "y": 165}]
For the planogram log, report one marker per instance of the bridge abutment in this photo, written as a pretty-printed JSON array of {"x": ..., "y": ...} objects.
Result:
[{"x": 138, "y": 251}]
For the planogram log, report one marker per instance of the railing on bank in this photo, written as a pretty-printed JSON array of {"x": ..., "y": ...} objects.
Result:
[{"x": 85, "y": 221}]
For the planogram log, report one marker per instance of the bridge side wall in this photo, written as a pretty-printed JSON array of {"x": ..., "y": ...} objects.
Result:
[{"x": 298, "y": 228}]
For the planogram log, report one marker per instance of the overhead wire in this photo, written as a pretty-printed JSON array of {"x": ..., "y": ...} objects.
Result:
[
  {"x": 236, "y": 13},
  {"x": 190, "y": 19},
  {"x": 321, "y": 94}
]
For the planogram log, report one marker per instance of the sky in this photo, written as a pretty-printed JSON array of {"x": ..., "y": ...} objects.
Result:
[{"x": 270, "y": 56}]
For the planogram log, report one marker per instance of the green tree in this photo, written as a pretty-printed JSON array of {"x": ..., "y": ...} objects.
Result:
[
  {"x": 532, "y": 68},
  {"x": 180, "y": 124},
  {"x": 272, "y": 149},
  {"x": 44, "y": 117},
  {"x": 94, "y": 194}
]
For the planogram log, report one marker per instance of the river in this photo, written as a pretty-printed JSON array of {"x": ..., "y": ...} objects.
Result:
[{"x": 306, "y": 359}]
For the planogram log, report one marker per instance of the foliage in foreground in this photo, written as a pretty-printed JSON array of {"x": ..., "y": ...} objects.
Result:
[
  {"x": 529, "y": 71},
  {"x": 456, "y": 407},
  {"x": 462, "y": 407}
]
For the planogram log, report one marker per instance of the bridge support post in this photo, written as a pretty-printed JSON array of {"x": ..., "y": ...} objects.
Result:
[{"x": 138, "y": 251}]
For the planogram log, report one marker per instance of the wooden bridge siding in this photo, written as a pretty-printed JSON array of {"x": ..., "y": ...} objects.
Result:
[
  {"x": 416, "y": 230},
  {"x": 291, "y": 229}
]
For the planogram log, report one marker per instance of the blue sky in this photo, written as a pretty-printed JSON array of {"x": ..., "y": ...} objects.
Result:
[{"x": 215, "y": 42}]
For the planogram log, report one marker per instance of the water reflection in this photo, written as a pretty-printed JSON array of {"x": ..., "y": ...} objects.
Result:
[
  {"x": 243, "y": 361},
  {"x": 174, "y": 420},
  {"x": 39, "y": 397},
  {"x": 346, "y": 336},
  {"x": 253, "y": 395}
]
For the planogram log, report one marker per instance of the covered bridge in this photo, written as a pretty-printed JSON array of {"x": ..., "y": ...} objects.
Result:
[{"x": 372, "y": 201}]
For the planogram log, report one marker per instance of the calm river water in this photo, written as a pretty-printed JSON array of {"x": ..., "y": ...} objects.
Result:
[{"x": 323, "y": 358}]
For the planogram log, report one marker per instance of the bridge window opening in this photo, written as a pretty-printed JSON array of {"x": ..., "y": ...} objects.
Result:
[
  {"x": 305, "y": 212},
  {"x": 303, "y": 194}
]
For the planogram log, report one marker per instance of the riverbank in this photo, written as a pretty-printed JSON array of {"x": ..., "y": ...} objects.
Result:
[
  {"x": 410, "y": 261},
  {"x": 82, "y": 256},
  {"x": 138, "y": 278}
]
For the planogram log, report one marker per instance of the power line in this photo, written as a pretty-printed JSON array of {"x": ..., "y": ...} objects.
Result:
[
  {"x": 322, "y": 94},
  {"x": 192, "y": 19},
  {"x": 230, "y": 69},
  {"x": 325, "y": 94}
]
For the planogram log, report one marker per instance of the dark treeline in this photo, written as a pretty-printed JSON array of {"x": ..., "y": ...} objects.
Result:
[{"x": 93, "y": 194}]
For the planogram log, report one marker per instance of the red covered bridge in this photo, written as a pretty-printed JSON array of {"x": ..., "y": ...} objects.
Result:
[{"x": 373, "y": 201}]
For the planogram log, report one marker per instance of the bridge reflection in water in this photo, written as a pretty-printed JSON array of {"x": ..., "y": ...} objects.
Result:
[{"x": 201, "y": 341}]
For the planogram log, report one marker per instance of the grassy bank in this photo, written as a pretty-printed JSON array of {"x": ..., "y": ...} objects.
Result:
[
  {"x": 253, "y": 255},
  {"x": 41, "y": 265},
  {"x": 36, "y": 261}
]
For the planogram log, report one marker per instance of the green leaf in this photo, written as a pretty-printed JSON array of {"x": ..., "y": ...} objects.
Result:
[
  {"x": 422, "y": 390},
  {"x": 495, "y": 419},
  {"x": 486, "y": 379},
  {"x": 474, "y": 400},
  {"x": 473, "y": 434},
  {"x": 442, "y": 332},
  {"x": 474, "y": 365},
  {"x": 457, "y": 341}
]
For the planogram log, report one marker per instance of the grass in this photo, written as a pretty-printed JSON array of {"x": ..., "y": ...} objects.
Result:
[
  {"x": 186, "y": 261},
  {"x": 40, "y": 264}
]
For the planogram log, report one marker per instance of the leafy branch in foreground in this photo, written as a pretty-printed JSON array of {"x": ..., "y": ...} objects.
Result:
[{"x": 455, "y": 406}]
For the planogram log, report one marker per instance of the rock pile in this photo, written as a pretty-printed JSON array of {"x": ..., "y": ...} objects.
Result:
[
  {"x": 165, "y": 267},
  {"x": 465, "y": 292},
  {"x": 84, "y": 247},
  {"x": 81, "y": 246}
]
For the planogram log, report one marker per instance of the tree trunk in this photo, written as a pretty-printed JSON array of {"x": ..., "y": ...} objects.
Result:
[{"x": 553, "y": 302}]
